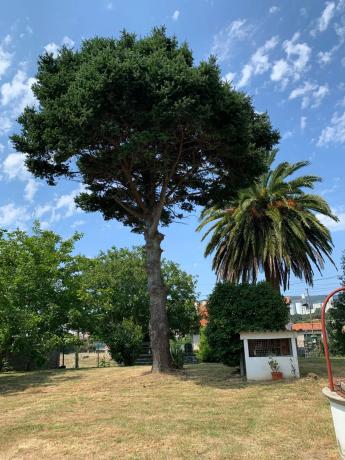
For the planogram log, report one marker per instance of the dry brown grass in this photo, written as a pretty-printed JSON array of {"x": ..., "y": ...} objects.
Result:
[
  {"x": 86, "y": 360},
  {"x": 205, "y": 412}
]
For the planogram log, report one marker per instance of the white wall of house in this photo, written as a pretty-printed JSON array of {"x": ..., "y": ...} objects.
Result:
[
  {"x": 257, "y": 368},
  {"x": 195, "y": 342}
]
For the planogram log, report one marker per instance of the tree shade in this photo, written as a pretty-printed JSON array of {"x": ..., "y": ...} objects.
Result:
[{"x": 272, "y": 226}]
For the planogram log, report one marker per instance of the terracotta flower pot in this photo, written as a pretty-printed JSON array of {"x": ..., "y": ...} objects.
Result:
[{"x": 277, "y": 375}]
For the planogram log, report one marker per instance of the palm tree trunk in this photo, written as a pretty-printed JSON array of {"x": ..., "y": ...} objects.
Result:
[{"x": 272, "y": 277}]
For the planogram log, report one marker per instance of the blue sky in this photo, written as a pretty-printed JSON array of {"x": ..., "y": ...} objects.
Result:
[{"x": 289, "y": 56}]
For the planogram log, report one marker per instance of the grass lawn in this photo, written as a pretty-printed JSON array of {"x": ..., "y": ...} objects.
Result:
[{"x": 204, "y": 412}]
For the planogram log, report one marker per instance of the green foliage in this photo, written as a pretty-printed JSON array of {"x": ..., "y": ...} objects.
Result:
[
  {"x": 38, "y": 277},
  {"x": 115, "y": 288},
  {"x": 125, "y": 341},
  {"x": 336, "y": 321},
  {"x": 177, "y": 352},
  {"x": 272, "y": 227},
  {"x": 134, "y": 114},
  {"x": 104, "y": 363},
  {"x": 273, "y": 363},
  {"x": 205, "y": 353},
  {"x": 241, "y": 308}
]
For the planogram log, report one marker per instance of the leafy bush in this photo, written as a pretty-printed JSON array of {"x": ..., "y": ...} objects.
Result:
[
  {"x": 243, "y": 307},
  {"x": 125, "y": 341},
  {"x": 336, "y": 326},
  {"x": 177, "y": 352},
  {"x": 204, "y": 353}
]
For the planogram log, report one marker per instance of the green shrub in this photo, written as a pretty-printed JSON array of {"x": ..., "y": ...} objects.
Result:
[
  {"x": 125, "y": 342},
  {"x": 177, "y": 352},
  {"x": 243, "y": 307},
  {"x": 205, "y": 353}
]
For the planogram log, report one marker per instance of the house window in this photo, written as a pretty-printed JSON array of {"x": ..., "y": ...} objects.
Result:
[{"x": 269, "y": 347}]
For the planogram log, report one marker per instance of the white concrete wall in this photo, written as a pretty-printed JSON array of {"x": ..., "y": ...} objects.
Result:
[
  {"x": 195, "y": 342},
  {"x": 257, "y": 368}
]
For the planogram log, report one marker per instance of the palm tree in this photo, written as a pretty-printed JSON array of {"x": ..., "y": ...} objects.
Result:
[{"x": 273, "y": 227}]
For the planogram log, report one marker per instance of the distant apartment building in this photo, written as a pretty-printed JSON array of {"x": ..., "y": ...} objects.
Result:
[{"x": 303, "y": 305}]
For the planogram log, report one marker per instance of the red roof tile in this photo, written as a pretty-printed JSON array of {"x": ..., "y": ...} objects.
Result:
[{"x": 314, "y": 326}]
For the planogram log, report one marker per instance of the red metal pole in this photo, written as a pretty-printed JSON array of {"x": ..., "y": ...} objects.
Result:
[{"x": 324, "y": 334}]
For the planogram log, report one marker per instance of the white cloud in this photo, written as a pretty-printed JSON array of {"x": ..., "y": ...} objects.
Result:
[
  {"x": 247, "y": 72},
  {"x": 18, "y": 92},
  {"x": 280, "y": 70},
  {"x": 340, "y": 30},
  {"x": 274, "y": 9},
  {"x": 30, "y": 190},
  {"x": 335, "y": 132},
  {"x": 67, "y": 202},
  {"x": 5, "y": 55},
  {"x": 14, "y": 168},
  {"x": 5, "y": 124},
  {"x": 259, "y": 62},
  {"x": 230, "y": 77},
  {"x": 67, "y": 41},
  {"x": 287, "y": 135},
  {"x": 330, "y": 223},
  {"x": 14, "y": 96},
  {"x": 12, "y": 216},
  {"x": 303, "y": 123},
  {"x": 223, "y": 41},
  {"x": 325, "y": 57},
  {"x": 61, "y": 207},
  {"x": 78, "y": 223},
  {"x": 325, "y": 19},
  {"x": 311, "y": 94},
  {"x": 295, "y": 64},
  {"x": 175, "y": 15},
  {"x": 42, "y": 209},
  {"x": 53, "y": 48}
]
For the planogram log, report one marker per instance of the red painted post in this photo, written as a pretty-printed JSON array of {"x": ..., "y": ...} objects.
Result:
[{"x": 324, "y": 334}]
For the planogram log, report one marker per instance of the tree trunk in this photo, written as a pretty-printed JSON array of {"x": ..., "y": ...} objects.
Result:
[
  {"x": 159, "y": 328},
  {"x": 76, "y": 354}
]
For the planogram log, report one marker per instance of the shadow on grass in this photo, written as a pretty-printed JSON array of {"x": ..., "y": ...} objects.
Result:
[
  {"x": 318, "y": 366},
  {"x": 224, "y": 377},
  {"x": 214, "y": 375},
  {"x": 16, "y": 382}
]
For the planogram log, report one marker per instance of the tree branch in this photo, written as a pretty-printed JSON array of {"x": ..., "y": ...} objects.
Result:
[
  {"x": 127, "y": 173},
  {"x": 163, "y": 193},
  {"x": 128, "y": 209}
]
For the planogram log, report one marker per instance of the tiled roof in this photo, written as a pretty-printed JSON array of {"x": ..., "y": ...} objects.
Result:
[{"x": 314, "y": 326}]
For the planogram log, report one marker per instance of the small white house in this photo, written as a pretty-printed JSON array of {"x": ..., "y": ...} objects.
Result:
[{"x": 260, "y": 346}]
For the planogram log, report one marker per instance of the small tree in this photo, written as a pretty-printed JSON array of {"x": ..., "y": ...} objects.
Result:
[
  {"x": 234, "y": 308},
  {"x": 37, "y": 291},
  {"x": 336, "y": 321},
  {"x": 115, "y": 288},
  {"x": 124, "y": 341},
  {"x": 150, "y": 135}
]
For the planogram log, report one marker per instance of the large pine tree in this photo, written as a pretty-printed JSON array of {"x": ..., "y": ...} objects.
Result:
[{"x": 149, "y": 133}]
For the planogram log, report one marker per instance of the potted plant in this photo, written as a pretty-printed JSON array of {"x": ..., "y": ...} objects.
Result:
[{"x": 274, "y": 365}]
